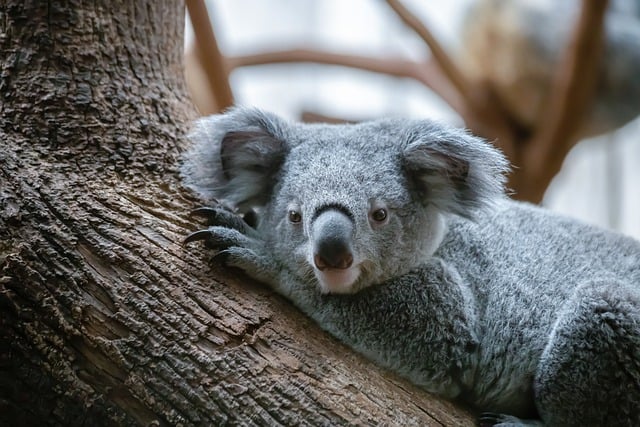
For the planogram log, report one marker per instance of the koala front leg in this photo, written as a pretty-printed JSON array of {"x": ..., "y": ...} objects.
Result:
[
  {"x": 238, "y": 243},
  {"x": 589, "y": 373}
]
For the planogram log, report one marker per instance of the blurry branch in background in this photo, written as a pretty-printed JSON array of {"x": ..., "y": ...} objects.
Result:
[
  {"x": 396, "y": 67},
  {"x": 313, "y": 117},
  {"x": 448, "y": 67},
  {"x": 471, "y": 101},
  {"x": 209, "y": 55},
  {"x": 574, "y": 87},
  {"x": 537, "y": 151}
]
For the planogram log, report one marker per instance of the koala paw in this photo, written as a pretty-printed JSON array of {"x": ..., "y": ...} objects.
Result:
[
  {"x": 218, "y": 237},
  {"x": 236, "y": 242},
  {"x": 226, "y": 229},
  {"x": 225, "y": 217}
]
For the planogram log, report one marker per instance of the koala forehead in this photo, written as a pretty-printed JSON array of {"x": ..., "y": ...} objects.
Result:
[{"x": 353, "y": 163}]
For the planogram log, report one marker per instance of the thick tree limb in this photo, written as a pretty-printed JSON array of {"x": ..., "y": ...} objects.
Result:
[{"x": 105, "y": 317}]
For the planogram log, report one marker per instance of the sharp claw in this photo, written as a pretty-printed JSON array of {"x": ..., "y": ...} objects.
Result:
[
  {"x": 197, "y": 235},
  {"x": 204, "y": 211},
  {"x": 222, "y": 256},
  {"x": 488, "y": 419}
]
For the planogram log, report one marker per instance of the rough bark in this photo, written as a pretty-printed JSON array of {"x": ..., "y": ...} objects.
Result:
[{"x": 105, "y": 318}]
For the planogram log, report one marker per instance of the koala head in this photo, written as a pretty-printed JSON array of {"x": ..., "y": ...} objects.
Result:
[{"x": 343, "y": 207}]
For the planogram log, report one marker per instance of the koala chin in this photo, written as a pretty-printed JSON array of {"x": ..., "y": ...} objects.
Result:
[
  {"x": 396, "y": 237},
  {"x": 337, "y": 281}
]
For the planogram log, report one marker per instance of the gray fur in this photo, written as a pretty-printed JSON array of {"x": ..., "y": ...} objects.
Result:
[{"x": 478, "y": 298}]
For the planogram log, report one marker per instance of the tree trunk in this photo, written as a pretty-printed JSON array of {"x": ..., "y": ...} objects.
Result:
[{"x": 105, "y": 318}]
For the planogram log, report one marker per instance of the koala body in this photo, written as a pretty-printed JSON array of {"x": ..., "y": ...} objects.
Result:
[{"x": 395, "y": 237}]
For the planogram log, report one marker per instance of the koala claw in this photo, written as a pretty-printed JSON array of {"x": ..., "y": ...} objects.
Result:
[
  {"x": 206, "y": 212},
  {"x": 211, "y": 240},
  {"x": 488, "y": 419},
  {"x": 222, "y": 217},
  {"x": 222, "y": 256},
  {"x": 234, "y": 249},
  {"x": 218, "y": 237},
  {"x": 197, "y": 235}
]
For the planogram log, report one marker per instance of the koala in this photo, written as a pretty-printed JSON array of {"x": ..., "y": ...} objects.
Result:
[{"x": 397, "y": 238}]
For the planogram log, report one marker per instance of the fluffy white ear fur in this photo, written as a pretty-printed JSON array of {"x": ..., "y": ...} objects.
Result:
[
  {"x": 455, "y": 171},
  {"x": 236, "y": 156}
]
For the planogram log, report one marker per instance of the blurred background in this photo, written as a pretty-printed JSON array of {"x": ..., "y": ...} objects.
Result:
[{"x": 503, "y": 73}]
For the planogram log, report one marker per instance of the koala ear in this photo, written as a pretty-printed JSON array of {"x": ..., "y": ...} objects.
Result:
[
  {"x": 236, "y": 156},
  {"x": 452, "y": 169}
]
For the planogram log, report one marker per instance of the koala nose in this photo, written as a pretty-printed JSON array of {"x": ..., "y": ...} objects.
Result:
[
  {"x": 331, "y": 233},
  {"x": 339, "y": 259}
]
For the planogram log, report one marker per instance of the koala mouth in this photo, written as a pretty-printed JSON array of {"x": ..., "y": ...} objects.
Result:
[{"x": 338, "y": 280}]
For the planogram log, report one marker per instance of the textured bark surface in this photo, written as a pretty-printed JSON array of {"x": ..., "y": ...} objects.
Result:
[{"x": 105, "y": 318}]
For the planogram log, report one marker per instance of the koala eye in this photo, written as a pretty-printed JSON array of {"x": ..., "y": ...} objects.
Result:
[
  {"x": 294, "y": 217},
  {"x": 379, "y": 215}
]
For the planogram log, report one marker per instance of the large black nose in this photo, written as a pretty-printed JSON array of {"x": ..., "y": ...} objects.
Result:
[
  {"x": 332, "y": 234},
  {"x": 330, "y": 256}
]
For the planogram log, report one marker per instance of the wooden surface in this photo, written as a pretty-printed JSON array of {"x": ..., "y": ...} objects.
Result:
[{"x": 105, "y": 317}]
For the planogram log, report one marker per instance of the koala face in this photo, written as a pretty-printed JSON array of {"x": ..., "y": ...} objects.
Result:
[
  {"x": 345, "y": 213},
  {"x": 343, "y": 207}
]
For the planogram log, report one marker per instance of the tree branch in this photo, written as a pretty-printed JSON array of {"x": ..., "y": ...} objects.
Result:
[
  {"x": 475, "y": 102},
  {"x": 449, "y": 68},
  {"x": 426, "y": 72},
  {"x": 209, "y": 54},
  {"x": 573, "y": 91},
  {"x": 396, "y": 67},
  {"x": 484, "y": 115},
  {"x": 313, "y": 117}
]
